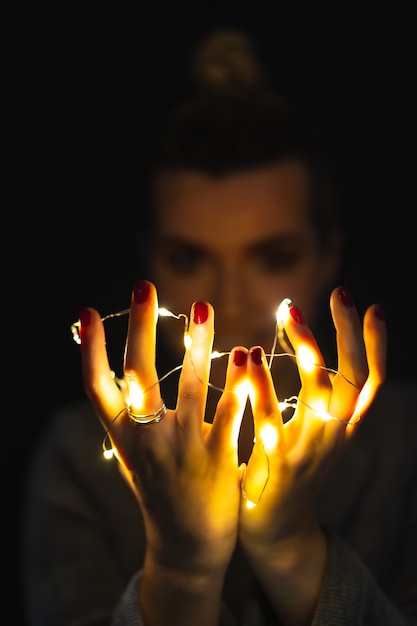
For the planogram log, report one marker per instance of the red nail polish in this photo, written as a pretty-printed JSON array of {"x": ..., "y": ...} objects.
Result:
[
  {"x": 141, "y": 291},
  {"x": 296, "y": 314},
  {"x": 239, "y": 358},
  {"x": 379, "y": 312},
  {"x": 256, "y": 356},
  {"x": 344, "y": 295},
  {"x": 85, "y": 318},
  {"x": 200, "y": 313}
]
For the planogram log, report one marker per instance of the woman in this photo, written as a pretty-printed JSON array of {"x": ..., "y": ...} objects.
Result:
[{"x": 242, "y": 218}]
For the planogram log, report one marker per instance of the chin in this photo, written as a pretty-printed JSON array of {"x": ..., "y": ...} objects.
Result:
[{"x": 224, "y": 343}]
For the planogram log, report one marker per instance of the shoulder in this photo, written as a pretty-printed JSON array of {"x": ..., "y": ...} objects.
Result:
[
  {"x": 386, "y": 439},
  {"x": 397, "y": 393},
  {"x": 71, "y": 427},
  {"x": 393, "y": 414},
  {"x": 69, "y": 449}
]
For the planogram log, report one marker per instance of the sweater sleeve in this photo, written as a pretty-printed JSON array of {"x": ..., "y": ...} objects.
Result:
[
  {"x": 350, "y": 595},
  {"x": 127, "y": 612}
]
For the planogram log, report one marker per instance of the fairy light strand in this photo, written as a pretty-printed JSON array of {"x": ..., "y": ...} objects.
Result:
[{"x": 279, "y": 338}]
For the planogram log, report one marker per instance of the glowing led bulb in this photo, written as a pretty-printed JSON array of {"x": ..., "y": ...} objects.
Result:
[
  {"x": 320, "y": 407},
  {"x": 306, "y": 358},
  {"x": 289, "y": 403},
  {"x": 134, "y": 396},
  {"x": 283, "y": 311},
  {"x": 269, "y": 437},
  {"x": 281, "y": 315},
  {"x": 217, "y": 355},
  {"x": 163, "y": 312}
]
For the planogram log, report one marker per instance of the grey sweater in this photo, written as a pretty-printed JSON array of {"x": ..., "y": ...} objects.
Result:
[{"x": 83, "y": 539}]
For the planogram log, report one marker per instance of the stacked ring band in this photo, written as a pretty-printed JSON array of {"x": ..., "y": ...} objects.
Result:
[{"x": 151, "y": 418}]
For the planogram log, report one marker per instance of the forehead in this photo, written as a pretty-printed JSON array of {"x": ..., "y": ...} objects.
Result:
[{"x": 246, "y": 206}]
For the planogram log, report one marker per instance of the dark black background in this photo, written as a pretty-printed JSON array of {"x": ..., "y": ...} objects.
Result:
[{"x": 82, "y": 82}]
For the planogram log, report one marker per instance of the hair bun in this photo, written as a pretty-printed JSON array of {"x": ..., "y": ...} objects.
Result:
[{"x": 226, "y": 60}]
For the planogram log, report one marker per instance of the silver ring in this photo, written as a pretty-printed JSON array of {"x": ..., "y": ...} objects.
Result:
[{"x": 151, "y": 418}]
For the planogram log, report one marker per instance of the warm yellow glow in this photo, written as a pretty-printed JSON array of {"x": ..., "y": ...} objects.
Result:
[
  {"x": 75, "y": 329},
  {"x": 290, "y": 403},
  {"x": 269, "y": 437},
  {"x": 306, "y": 358},
  {"x": 217, "y": 355},
  {"x": 325, "y": 416},
  {"x": 163, "y": 312},
  {"x": 283, "y": 311},
  {"x": 250, "y": 504},
  {"x": 242, "y": 391},
  {"x": 187, "y": 341},
  {"x": 320, "y": 407},
  {"x": 134, "y": 396},
  {"x": 363, "y": 401},
  {"x": 108, "y": 453}
]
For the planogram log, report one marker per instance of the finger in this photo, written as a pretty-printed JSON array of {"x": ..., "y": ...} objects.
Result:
[
  {"x": 140, "y": 375},
  {"x": 224, "y": 432},
  {"x": 375, "y": 336},
  {"x": 264, "y": 401},
  {"x": 98, "y": 379},
  {"x": 352, "y": 362},
  {"x": 315, "y": 432},
  {"x": 268, "y": 426},
  {"x": 195, "y": 373},
  {"x": 316, "y": 386}
]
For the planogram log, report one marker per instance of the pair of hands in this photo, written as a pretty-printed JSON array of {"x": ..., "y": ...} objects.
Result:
[{"x": 184, "y": 471}]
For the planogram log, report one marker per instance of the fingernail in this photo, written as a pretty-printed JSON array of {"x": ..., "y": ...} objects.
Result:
[
  {"x": 201, "y": 312},
  {"x": 141, "y": 291},
  {"x": 379, "y": 312},
  {"x": 256, "y": 356},
  {"x": 239, "y": 357},
  {"x": 296, "y": 314},
  {"x": 344, "y": 295},
  {"x": 85, "y": 318}
]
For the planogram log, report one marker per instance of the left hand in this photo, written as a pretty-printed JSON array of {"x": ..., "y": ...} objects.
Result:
[{"x": 284, "y": 478}]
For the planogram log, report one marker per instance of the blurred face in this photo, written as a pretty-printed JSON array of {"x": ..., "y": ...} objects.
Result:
[{"x": 243, "y": 243}]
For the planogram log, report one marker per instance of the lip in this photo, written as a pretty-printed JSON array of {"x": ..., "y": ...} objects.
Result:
[{"x": 225, "y": 341}]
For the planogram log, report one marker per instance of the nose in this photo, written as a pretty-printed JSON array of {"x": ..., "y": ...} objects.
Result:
[{"x": 230, "y": 292}]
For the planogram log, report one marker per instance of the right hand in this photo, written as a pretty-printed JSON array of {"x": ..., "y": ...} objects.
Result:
[{"x": 183, "y": 470}]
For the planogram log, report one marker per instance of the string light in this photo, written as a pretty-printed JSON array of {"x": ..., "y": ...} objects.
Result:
[
  {"x": 268, "y": 435},
  {"x": 162, "y": 312}
]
